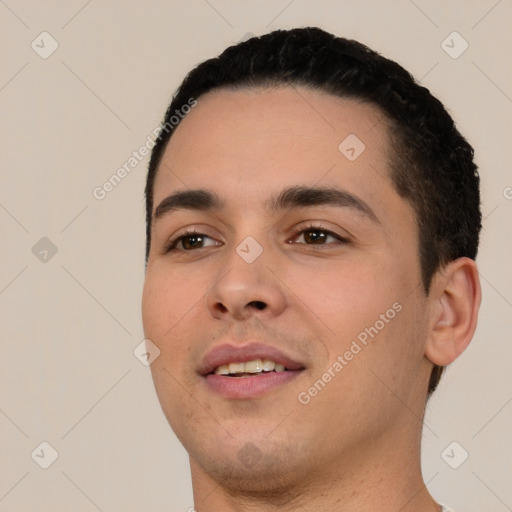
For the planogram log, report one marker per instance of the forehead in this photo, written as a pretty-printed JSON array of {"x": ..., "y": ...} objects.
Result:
[{"x": 269, "y": 138}]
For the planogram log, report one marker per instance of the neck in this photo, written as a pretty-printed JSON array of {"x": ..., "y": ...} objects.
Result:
[{"x": 379, "y": 476}]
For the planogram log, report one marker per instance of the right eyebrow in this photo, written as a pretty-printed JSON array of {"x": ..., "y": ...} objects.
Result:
[{"x": 198, "y": 199}]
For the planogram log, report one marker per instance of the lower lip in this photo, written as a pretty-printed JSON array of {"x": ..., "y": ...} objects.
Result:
[{"x": 249, "y": 387}]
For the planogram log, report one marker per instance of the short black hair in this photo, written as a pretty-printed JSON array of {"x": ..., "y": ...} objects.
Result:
[{"x": 431, "y": 163}]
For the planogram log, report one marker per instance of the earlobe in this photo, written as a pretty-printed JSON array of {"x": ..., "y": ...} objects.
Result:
[{"x": 454, "y": 302}]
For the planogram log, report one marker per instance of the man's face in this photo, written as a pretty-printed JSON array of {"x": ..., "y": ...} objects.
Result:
[{"x": 337, "y": 281}]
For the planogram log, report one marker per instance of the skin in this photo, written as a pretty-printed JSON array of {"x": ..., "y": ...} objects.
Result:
[{"x": 356, "y": 444}]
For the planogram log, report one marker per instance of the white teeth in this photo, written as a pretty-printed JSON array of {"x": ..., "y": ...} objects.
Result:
[
  {"x": 236, "y": 367},
  {"x": 223, "y": 369},
  {"x": 254, "y": 366},
  {"x": 268, "y": 365}
]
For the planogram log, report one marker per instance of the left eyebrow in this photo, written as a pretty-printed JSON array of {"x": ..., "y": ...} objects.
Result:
[
  {"x": 289, "y": 198},
  {"x": 301, "y": 197}
]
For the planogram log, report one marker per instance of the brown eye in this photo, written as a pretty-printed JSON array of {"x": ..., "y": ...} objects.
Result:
[
  {"x": 315, "y": 236},
  {"x": 318, "y": 236},
  {"x": 190, "y": 241}
]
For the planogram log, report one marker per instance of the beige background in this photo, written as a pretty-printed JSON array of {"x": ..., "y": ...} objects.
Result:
[{"x": 69, "y": 325}]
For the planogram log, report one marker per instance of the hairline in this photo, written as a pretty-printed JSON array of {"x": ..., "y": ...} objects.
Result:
[{"x": 393, "y": 133}]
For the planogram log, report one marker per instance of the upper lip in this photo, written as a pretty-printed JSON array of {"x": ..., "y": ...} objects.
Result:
[{"x": 226, "y": 353}]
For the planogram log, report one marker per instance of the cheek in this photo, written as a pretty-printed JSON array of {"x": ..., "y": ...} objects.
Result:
[
  {"x": 167, "y": 301},
  {"x": 368, "y": 311},
  {"x": 347, "y": 298},
  {"x": 168, "y": 297}
]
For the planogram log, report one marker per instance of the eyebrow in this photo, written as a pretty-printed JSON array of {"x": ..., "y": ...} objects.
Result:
[{"x": 289, "y": 198}]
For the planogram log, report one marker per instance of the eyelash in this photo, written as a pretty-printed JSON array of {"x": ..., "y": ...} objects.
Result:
[{"x": 171, "y": 246}]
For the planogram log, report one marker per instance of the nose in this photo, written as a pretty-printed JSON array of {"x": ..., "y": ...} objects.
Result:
[{"x": 246, "y": 290}]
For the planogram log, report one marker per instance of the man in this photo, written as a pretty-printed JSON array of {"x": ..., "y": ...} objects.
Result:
[{"x": 312, "y": 224}]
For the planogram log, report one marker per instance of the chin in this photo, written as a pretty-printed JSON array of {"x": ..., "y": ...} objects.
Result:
[{"x": 250, "y": 471}]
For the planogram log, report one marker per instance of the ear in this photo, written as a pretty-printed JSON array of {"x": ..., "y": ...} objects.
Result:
[{"x": 454, "y": 299}]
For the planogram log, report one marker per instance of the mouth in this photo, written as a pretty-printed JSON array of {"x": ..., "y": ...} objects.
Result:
[
  {"x": 248, "y": 371},
  {"x": 250, "y": 368}
]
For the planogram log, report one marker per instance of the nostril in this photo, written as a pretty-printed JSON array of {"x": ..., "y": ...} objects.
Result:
[{"x": 258, "y": 304}]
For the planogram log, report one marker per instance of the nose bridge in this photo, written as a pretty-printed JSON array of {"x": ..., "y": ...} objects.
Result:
[
  {"x": 250, "y": 249},
  {"x": 247, "y": 286}
]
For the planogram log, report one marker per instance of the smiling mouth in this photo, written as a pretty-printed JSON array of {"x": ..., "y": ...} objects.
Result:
[
  {"x": 243, "y": 380},
  {"x": 254, "y": 368}
]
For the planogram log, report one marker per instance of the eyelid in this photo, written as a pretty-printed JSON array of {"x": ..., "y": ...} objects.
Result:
[
  {"x": 171, "y": 244},
  {"x": 317, "y": 225},
  {"x": 299, "y": 230}
]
